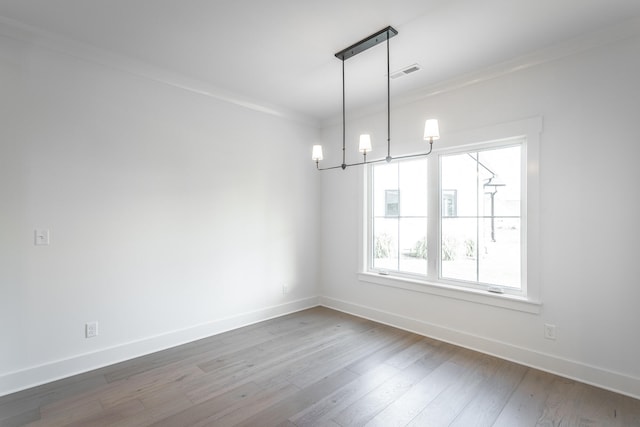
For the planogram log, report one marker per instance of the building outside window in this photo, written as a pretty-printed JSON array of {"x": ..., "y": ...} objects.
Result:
[
  {"x": 449, "y": 203},
  {"x": 391, "y": 203}
]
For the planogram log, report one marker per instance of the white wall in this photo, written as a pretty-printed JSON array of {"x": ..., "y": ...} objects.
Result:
[
  {"x": 589, "y": 212},
  {"x": 173, "y": 215}
]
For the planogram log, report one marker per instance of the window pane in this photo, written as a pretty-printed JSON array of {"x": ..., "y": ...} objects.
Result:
[
  {"x": 459, "y": 182},
  {"x": 399, "y": 199},
  {"x": 413, "y": 245},
  {"x": 499, "y": 173},
  {"x": 385, "y": 243},
  {"x": 413, "y": 187},
  {"x": 490, "y": 254},
  {"x": 500, "y": 258},
  {"x": 459, "y": 249},
  {"x": 385, "y": 178}
]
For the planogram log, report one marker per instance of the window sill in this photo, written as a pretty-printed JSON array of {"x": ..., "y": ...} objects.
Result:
[{"x": 510, "y": 302}]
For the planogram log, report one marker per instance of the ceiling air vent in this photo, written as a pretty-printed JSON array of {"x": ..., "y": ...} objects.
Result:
[{"x": 406, "y": 70}]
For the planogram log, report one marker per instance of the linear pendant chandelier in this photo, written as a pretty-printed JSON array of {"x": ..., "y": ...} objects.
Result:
[{"x": 431, "y": 132}]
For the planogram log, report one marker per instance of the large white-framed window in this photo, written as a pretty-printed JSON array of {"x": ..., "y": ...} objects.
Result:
[{"x": 461, "y": 222}]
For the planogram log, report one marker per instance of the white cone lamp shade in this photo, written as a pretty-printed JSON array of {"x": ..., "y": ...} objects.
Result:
[
  {"x": 431, "y": 131},
  {"x": 316, "y": 153},
  {"x": 365, "y": 143}
]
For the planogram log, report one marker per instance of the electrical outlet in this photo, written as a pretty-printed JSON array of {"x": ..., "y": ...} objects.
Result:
[
  {"x": 285, "y": 289},
  {"x": 550, "y": 332},
  {"x": 41, "y": 237},
  {"x": 91, "y": 329}
]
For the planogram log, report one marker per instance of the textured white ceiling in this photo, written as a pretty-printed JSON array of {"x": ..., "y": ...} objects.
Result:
[{"x": 280, "y": 52}]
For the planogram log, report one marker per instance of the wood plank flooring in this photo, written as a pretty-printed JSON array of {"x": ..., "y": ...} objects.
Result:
[{"x": 317, "y": 367}]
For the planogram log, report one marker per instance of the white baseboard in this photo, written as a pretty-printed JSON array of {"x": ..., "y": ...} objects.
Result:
[
  {"x": 572, "y": 369},
  {"x": 42, "y": 374},
  {"x": 37, "y": 375}
]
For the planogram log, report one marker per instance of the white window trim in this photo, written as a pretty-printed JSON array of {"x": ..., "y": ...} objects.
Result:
[{"x": 530, "y": 129}]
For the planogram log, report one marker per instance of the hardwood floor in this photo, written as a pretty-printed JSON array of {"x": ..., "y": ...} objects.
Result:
[{"x": 317, "y": 367}]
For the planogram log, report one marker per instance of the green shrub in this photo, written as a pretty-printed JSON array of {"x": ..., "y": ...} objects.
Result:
[
  {"x": 382, "y": 247},
  {"x": 420, "y": 250},
  {"x": 449, "y": 249},
  {"x": 470, "y": 248}
]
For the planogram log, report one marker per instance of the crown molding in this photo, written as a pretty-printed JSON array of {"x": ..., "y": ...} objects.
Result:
[
  {"x": 573, "y": 46},
  {"x": 62, "y": 45},
  {"x": 564, "y": 49}
]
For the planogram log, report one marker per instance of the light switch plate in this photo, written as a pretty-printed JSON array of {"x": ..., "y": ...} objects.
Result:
[{"x": 41, "y": 237}]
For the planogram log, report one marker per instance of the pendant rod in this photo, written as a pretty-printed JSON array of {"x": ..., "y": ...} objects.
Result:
[
  {"x": 388, "y": 104},
  {"x": 344, "y": 123}
]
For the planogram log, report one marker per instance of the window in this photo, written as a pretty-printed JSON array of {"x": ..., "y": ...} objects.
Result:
[
  {"x": 454, "y": 219},
  {"x": 463, "y": 222}
]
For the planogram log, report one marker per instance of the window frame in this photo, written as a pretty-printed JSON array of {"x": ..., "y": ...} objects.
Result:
[{"x": 528, "y": 298}]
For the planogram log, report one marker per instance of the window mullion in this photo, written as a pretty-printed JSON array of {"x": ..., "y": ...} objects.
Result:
[
  {"x": 370, "y": 223},
  {"x": 433, "y": 217},
  {"x": 398, "y": 217},
  {"x": 479, "y": 202}
]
